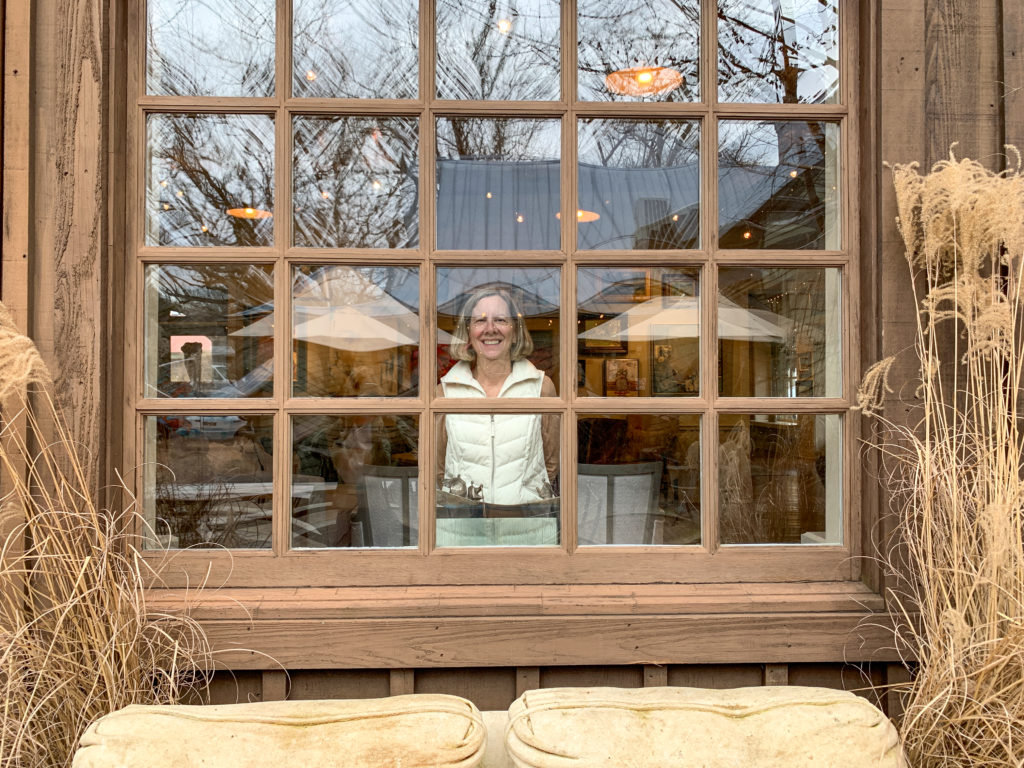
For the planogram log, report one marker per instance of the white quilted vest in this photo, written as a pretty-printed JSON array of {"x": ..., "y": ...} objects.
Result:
[{"x": 503, "y": 452}]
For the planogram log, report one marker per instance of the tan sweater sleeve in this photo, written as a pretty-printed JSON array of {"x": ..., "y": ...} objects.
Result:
[{"x": 549, "y": 432}]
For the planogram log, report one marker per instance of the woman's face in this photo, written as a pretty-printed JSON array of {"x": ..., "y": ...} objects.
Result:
[{"x": 490, "y": 329}]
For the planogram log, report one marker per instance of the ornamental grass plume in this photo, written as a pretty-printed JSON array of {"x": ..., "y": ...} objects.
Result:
[
  {"x": 76, "y": 639},
  {"x": 956, "y": 473}
]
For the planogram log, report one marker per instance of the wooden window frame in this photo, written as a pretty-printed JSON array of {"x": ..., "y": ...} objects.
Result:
[{"x": 583, "y": 604}]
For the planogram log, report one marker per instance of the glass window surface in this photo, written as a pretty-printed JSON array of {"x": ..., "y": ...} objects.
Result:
[
  {"x": 201, "y": 49},
  {"x": 780, "y": 479},
  {"x": 355, "y": 331},
  {"x": 354, "y": 481},
  {"x": 638, "y": 331},
  {"x": 779, "y": 332},
  {"x": 497, "y": 479},
  {"x": 498, "y": 183},
  {"x": 638, "y": 51},
  {"x": 354, "y": 50},
  {"x": 785, "y": 51},
  {"x": 208, "y": 480},
  {"x": 778, "y": 185},
  {"x": 355, "y": 182},
  {"x": 638, "y": 479},
  {"x": 209, "y": 180},
  {"x": 500, "y": 316},
  {"x": 639, "y": 184},
  {"x": 500, "y": 50},
  {"x": 209, "y": 331}
]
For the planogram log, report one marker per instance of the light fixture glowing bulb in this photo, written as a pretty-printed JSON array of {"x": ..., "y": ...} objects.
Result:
[
  {"x": 325, "y": 195},
  {"x": 793, "y": 174},
  {"x": 747, "y": 235},
  {"x": 204, "y": 228},
  {"x": 488, "y": 195},
  {"x": 675, "y": 217},
  {"x": 504, "y": 26},
  {"x": 310, "y": 75},
  {"x": 179, "y": 193},
  {"x": 163, "y": 183},
  {"x": 645, "y": 77},
  {"x": 520, "y": 218},
  {"x": 376, "y": 184},
  {"x": 167, "y": 207}
]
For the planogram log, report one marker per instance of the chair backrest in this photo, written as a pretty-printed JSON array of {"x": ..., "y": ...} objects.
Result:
[
  {"x": 388, "y": 506},
  {"x": 617, "y": 502}
]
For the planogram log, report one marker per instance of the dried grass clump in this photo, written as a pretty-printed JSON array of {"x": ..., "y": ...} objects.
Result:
[
  {"x": 76, "y": 639},
  {"x": 957, "y": 472}
]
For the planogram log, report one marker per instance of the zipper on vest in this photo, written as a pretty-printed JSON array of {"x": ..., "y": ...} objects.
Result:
[{"x": 494, "y": 459}]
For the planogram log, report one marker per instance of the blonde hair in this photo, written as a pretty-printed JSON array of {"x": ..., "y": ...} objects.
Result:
[{"x": 522, "y": 343}]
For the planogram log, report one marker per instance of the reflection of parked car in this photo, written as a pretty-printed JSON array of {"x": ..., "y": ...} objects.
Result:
[{"x": 213, "y": 427}]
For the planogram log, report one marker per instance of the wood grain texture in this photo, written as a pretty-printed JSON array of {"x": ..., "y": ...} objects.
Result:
[
  {"x": 1012, "y": 85},
  {"x": 655, "y": 675},
  {"x": 963, "y": 79},
  {"x": 776, "y": 674},
  {"x": 527, "y": 678},
  {"x": 564, "y": 640},
  {"x": 401, "y": 682},
  {"x": 69, "y": 203}
]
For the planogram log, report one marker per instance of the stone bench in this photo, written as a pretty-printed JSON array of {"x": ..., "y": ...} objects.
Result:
[{"x": 764, "y": 727}]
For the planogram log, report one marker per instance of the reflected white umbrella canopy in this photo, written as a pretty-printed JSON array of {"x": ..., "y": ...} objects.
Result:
[{"x": 675, "y": 317}]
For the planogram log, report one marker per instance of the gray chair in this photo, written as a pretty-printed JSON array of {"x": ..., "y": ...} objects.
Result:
[
  {"x": 388, "y": 506},
  {"x": 618, "y": 503}
]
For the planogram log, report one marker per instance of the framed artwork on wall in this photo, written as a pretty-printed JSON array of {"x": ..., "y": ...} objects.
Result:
[{"x": 622, "y": 377}]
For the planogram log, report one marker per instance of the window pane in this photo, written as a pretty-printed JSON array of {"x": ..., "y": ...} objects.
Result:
[
  {"x": 500, "y": 50},
  {"x": 497, "y": 479},
  {"x": 639, "y": 51},
  {"x": 355, "y": 182},
  {"x": 209, "y": 180},
  {"x": 778, "y": 185},
  {"x": 780, "y": 479},
  {"x": 785, "y": 51},
  {"x": 355, "y": 50},
  {"x": 508, "y": 318},
  {"x": 638, "y": 332},
  {"x": 639, "y": 184},
  {"x": 639, "y": 479},
  {"x": 193, "y": 49},
  {"x": 355, "y": 331},
  {"x": 208, "y": 480},
  {"x": 779, "y": 332},
  {"x": 498, "y": 183},
  {"x": 209, "y": 331},
  {"x": 354, "y": 481}
]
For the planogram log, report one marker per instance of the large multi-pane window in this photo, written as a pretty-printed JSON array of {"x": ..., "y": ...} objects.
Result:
[{"x": 450, "y": 291}]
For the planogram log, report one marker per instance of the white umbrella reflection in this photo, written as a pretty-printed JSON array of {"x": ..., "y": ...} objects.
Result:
[{"x": 676, "y": 317}]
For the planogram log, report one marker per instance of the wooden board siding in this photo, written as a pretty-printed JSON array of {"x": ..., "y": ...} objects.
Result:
[
  {"x": 68, "y": 199},
  {"x": 495, "y": 689}
]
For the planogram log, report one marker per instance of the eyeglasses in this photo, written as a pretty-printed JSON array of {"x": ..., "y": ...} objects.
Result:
[{"x": 500, "y": 322}]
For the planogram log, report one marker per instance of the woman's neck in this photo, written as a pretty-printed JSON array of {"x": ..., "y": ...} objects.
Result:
[{"x": 492, "y": 374}]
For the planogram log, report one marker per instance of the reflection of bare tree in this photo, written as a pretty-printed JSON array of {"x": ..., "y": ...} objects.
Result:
[
  {"x": 498, "y": 50},
  {"x": 195, "y": 48},
  {"x": 201, "y": 166},
  {"x": 617, "y": 34},
  {"x": 355, "y": 182},
  {"x": 352, "y": 49},
  {"x": 784, "y": 51}
]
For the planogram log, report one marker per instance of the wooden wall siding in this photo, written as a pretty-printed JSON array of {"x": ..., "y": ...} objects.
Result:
[
  {"x": 1012, "y": 81},
  {"x": 69, "y": 207},
  {"x": 496, "y": 688}
]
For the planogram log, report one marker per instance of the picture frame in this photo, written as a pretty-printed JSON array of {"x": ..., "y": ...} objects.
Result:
[
  {"x": 675, "y": 362},
  {"x": 622, "y": 377},
  {"x": 600, "y": 346}
]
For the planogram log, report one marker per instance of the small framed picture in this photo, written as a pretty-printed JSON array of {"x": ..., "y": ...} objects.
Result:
[
  {"x": 622, "y": 377},
  {"x": 602, "y": 337}
]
